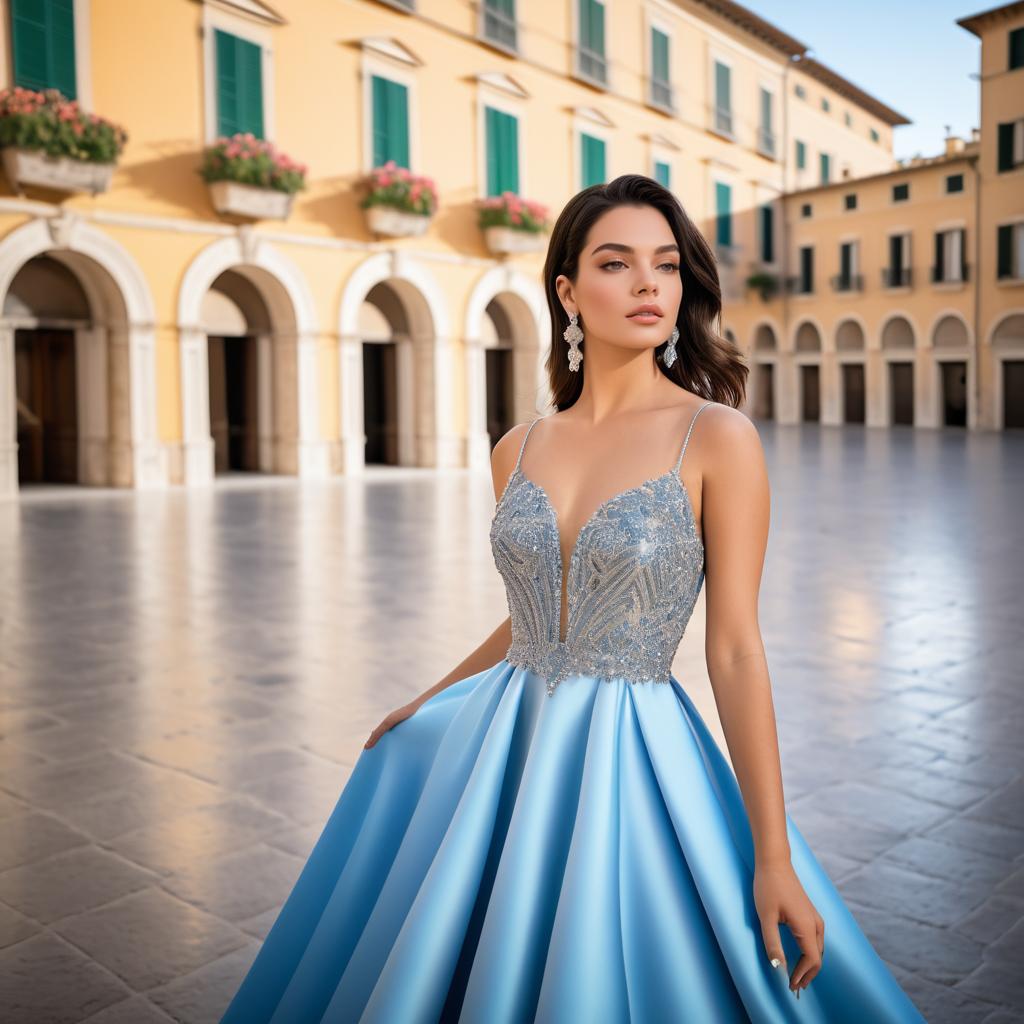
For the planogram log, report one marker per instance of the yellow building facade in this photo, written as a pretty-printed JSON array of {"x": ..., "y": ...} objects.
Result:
[{"x": 147, "y": 340}]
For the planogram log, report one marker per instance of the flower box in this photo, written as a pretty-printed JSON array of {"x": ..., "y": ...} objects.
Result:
[
  {"x": 34, "y": 167},
  {"x": 388, "y": 220},
  {"x": 250, "y": 200},
  {"x": 507, "y": 240}
]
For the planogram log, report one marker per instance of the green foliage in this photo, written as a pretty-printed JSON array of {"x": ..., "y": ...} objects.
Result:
[
  {"x": 511, "y": 211},
  {"x": 49, "y": 122},
  {"x": 397, "y": 187},
  {"x": 247, "y": 160}
]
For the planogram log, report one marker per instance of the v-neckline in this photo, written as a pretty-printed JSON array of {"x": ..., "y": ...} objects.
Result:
[{"x": 565, "y": 572}]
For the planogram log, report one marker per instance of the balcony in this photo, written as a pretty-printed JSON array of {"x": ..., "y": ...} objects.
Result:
[
  {"x": 592, "y": 66},
  {"x": 942, "y": 275},
  {"x": 848, "y": 283},
  {"x": 896, "y": 277},
  {"x": 661, "y": 96},
  {"x": 797, "y": 285},
  {"x": 500, "y": 29},
  {"x": 766, "y": 143}
]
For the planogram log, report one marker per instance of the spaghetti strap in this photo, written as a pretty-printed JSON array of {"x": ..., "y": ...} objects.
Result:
[
  {"x": 686, "y": 441},
  {"x": 522, "y": 447}
]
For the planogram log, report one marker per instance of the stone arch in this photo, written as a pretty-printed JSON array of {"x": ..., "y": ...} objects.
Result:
[
  {"x": 289, "y": 425},
  {"x": 898, "y": 333},
  {"x": 950, "y": 330},
  {"x": 426, "y": 419},
  {"x": 807, "y": 337},
  {"x": 850, "y": 335},
  {"x": 514, "y": 306},
  {"x": 114, "y": 346}
]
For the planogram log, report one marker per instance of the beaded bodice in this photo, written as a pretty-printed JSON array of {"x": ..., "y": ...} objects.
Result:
[{"x": 635, "y": 573}]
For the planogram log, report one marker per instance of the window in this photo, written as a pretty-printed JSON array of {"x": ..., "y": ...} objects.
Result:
[
  {"x": 825, "y": 104},
  {"x": 800, "y": 91},
  {"x": 390, "y": 122},
  {"x": 663, "y": 173},
  {"x": 592, "y": 62},
  {"x": 806, "y": 281},
  {"x": 767, "y": 233},
  {"x": 897, "y": 274},
  {"x": 825, "y": 164},
  {"x": 239, "y": 85},
  {"x": 801, "y": 155},
  {"x": 43, "y": 45},
  {"x": 949, "y": 256},
  {"x": 900, "y": 192},
  {"x": 723, "y": 99},
  {"x": 874, "y": 135},
  {"x": 1016, "y": 57},
  {"x": 1011, "y": 145},
  {"x": 723, "y": 214},
  {"x": 848, "y": 280},
  {"x": 847, "y": 119},
  {"x": 500, "y": 22},
  {"x": 1010, "y": 251},
  {"x": 954, "y": 183},
  {"x": 502, "y": 152},
  {"x": 765, "y": 135},
  {"x": 850, "y": 201},
  {"x": 805, "y": 210},
  {"x": 661, "y": 87},
  {"x": 592, "y": 160}
]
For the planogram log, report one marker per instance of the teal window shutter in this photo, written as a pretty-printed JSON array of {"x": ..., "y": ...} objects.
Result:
[
  {"x": 825, "y": 168},
  {"x": 43, "y": 45},
  {"x": 390, "y": 122},
  {"x": 1004, "y": 250},
  {"x": 659, "y": 55},
  {"x": 593, "y": 160},
  {"x": 663, "y": 173},
  {"x": 502, "y": 132},
  {"x": 239, "y": 85},
  {"x": 801, "y": 155},
  {"x": 592, "y": 26},
  {"x": 723, "y": 214},
  {"x": 723, "y": 100},
  {"x": 767, "y": 234}
]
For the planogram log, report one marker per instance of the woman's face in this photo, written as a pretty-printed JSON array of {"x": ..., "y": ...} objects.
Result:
[{"x": 630, "y": 259}]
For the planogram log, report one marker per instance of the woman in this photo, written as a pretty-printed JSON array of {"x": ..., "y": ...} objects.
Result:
[{"x": 547, "y": 833}]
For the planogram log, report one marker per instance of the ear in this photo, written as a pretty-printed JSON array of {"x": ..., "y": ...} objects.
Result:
[{"x": 564, "y": 288}]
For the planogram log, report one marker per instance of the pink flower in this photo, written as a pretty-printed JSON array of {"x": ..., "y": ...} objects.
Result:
[{"x": 516, "y": 218}]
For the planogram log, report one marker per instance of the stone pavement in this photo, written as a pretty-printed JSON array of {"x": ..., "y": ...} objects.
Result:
[{"x": 187, "y": 679}]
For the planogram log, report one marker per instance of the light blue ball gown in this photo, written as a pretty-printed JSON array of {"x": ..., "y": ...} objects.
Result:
[{"x": 558, "y": 838}]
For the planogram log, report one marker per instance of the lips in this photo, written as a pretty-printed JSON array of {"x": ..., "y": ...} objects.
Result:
[{"x": 646, "y": 311}]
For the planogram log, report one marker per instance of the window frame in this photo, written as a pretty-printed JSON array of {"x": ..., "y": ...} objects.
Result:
[{"x": 486, "y": 100}]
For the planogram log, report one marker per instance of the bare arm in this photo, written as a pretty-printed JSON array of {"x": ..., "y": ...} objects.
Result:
[{"x": 735, "y": 507}]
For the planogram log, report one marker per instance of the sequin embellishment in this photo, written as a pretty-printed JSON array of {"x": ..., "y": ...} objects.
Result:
[{"x": 634, "y": 576}]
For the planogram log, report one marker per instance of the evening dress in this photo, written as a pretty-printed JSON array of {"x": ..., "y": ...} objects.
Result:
[{"x": 558, "y": 838}]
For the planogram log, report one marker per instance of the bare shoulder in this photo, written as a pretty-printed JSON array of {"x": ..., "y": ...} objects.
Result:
[
  {"x": 504, "y": 455},
  {"x": 730, "y": 445}
]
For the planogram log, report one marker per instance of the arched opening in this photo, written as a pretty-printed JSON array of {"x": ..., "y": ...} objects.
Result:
[
  {"x": 808, "y": 349},
  {"x": 852, "y": 381},
  {"x": 949, "y": 342},
  {"x": 898, "y": 344},
  {"x": 498, "y": 339},
  {"x": 1008, "y": 348},
  {"x": 765, "y": 347}
]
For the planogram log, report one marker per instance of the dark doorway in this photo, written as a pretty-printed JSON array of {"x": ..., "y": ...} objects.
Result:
[
  {"x": 854, "y": 392},
  {"x": 810, "y": 393},
  {"x": 499, "y": 393},
  {"x": 380, "y": 402},
  {"x": 234, "y": 403},
  {"x": 954, "y": 394},
  {"x": 1013, "y": 393},
  {"x": 901, "y": 394}
]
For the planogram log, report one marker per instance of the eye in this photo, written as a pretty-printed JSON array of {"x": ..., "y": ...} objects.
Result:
[{"x": 612, "y": 263}]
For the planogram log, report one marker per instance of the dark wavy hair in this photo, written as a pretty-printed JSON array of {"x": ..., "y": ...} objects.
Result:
[{"x": 707, "y": 364}]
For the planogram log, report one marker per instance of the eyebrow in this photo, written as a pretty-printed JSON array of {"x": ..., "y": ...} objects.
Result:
[{"x": 618, "y": 247}]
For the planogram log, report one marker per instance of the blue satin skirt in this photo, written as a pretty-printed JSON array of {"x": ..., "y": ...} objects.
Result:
[{"x": 506, "y": 856}]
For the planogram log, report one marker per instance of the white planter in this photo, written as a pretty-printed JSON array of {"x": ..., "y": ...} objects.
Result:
[
  {"x": 387, "y": 220},
  {"x": 505, "y": 239},
  {"x": 250, "y": 200},
  {"x": 33, "y": 167}
]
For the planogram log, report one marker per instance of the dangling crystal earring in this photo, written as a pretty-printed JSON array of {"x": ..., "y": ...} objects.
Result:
[
  {"x": 668, "y": 357},
  {"x": 574, "y": 335}
]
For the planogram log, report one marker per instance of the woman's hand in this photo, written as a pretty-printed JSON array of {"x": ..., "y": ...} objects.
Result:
[
  {"x": 780, "y": 899},
  {"x": 396, "y": 716}
]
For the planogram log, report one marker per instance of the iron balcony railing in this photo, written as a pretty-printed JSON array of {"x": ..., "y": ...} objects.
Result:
[
  {"x": 943, "y": 275},
  {"x": 848, "y": 283},
  {"x": 896, "y": 277}
]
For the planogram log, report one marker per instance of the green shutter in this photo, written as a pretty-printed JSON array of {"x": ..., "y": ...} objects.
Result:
[
  {"x": 1016, "y": 55},
  {"x": 801, "y": 155},
  {"x": 502, "y": 143},
  {"x": 390, "y": 122},
  {"x": 1004, "y": 261},
  {"x": 723, "y": 214},
  {"x": 824, "y": 168},
  {"x": 43, "y": 45},
  {"x": 592, "y": 26},
  {"x": 767, "y": 234},
  {"x": 722, "y": 83},
  {"x": 593, "y": 160},
  {"x": 766, "y": 110},
  {"x": 239, "y": 85},
  {"x": 1005, "y": 146},
  {"x": 663, "y": 173},
  {"x": 659, "y": 56}
]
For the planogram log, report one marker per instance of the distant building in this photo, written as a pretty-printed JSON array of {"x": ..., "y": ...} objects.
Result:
[{"x": 148, "y": 340}]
